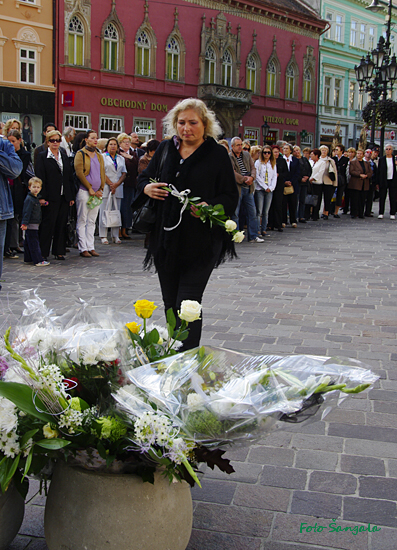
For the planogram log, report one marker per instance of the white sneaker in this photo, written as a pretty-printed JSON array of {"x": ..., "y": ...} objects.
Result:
[
  {"x": 257, "y": 240},
  {"x": 42, "y": 263},
  {"x": 380, "y": 217},
  {"x": 392, "y": 217}
]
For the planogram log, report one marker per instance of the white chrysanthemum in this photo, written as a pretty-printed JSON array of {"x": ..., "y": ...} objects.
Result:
[
  {"x": 10, "y": 446},
  {"x": 88, "y": 355},
  {"x": 108, "y": 353},
  {"x": 195, "y": 402},
  {"x": 8, "y": 417},
  {"x": 163, "y": 332}
]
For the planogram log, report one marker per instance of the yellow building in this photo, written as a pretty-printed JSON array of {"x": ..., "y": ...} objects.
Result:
[{"x": 27, "y": 90}]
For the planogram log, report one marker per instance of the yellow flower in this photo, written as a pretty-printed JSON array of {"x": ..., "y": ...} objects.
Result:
[
  {"x": 238, "y": 237},
  {"x": 133, "y": 327},
  {"x": 144, "y": 308},
  {"x": 49, "y": 432}
]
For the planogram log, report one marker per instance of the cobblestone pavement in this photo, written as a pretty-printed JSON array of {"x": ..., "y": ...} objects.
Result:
[{"x": 326, "y": 288}]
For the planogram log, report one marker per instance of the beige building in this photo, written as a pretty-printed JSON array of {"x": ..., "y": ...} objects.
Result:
[{"x": 27, "y": 90}]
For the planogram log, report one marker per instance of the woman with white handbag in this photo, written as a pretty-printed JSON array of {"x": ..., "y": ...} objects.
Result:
[{"x": 109, "y": 211}]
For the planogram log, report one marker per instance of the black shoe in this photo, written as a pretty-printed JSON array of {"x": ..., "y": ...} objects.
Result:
[
  {"x": 10, "y": 255},
  {"x": 280, "y": 230},
  {"x": 302, "y": 220},
  {"x": 336, "y": 216},
  {"x": 325, "y": 217},
  {"x": 59, "y": 257}
]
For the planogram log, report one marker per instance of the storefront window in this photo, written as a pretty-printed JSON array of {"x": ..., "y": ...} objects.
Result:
[
  {"x": 110, "y": 126},
  {"x": 80, "y": 122},
  {"x": 145, "y": 128}
]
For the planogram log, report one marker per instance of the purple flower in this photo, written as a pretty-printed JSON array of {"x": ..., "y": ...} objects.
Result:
[{"x": 3, "y": 367}]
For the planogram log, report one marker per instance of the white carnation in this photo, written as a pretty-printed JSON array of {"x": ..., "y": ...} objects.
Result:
[{"x": 195, "y": 402}]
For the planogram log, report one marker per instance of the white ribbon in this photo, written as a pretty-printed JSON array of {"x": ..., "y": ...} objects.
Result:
[{"x": 183, "y": 197}]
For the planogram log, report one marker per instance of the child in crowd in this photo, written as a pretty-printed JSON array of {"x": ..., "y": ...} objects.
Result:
[{"x": 31, "y": 218}]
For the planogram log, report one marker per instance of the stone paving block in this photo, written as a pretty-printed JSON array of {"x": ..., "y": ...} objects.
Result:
[
  {"x": 238, "y": 453},
  {"x": 385, "y": 539},
  {"x": 352, "y": 403},
  {"x": 378, "y": 487},
  {"x": 363, "y": 432},
  {"x": 290, "y": 478},
  {"x": 249, "y": 522},
  {"x": 374, "y": 511},
  {"x": 317, "y": 442},
  {"x": 383, "y": 395},
  {"x": 341, "y": 416},
  {"x": 327, "y": 482},
  {"x": 313, "y": 504},
  {"x": 306, "y": 428},
  {"x": 244, "y": 472},
  {"x": 209, "y": 540},
  {"x": 265, "y": 498},
  {"x": 33, "y": 521},
  {"x": 287, "y": 527},
  {"x": 362, "y": 465},
  {"x": 380, "y": 420},
  {"x": 316, "y": 460},
  {"x": 392, "y": 467},
  {"x": 269, "y": 455},
  {"x": 220, "y": 492},
  {"x": 370, "y": 448},
  {"x": 278, "y": 438},
  {"x": 384, "y": 407}
]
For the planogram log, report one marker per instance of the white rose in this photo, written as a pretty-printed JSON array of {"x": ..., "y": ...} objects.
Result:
[
  {"x": 238, "y": 237},
  {"x": 230, "y": 225},
  {"x": 190, "y": 311}
]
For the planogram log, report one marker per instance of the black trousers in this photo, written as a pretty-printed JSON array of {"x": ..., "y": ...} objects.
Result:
[
  {"x": 53, "y": 228},
  {"x": 289, "y": 202},
  {"x": 357, "y": 203},
  {"x": 276, "y": 208},
  {"x": 320, "y": 190},
  {"x": 392, "y": 198},
  {"x": 187, "y": 284},
  {"x": 31, "y": 247},
  {"x": 369, "y": 199}
]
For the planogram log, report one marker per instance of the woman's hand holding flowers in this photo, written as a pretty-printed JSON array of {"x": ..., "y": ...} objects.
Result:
[{"x": 155, "y": 190}]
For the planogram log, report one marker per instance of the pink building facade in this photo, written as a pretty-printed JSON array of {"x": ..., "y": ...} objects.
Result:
[{"x": 122, "y": 65}]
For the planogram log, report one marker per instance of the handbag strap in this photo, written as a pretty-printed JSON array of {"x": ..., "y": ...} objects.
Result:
[
  {"x": 162, "y": 160},
  {"x": 111, "y": 202}
]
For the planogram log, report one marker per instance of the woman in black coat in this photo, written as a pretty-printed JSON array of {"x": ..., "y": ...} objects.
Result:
[
  {"x": 186, "y": 255},
  {"x": 57, "y": 194},
  {"x": 276, "y": 208}
]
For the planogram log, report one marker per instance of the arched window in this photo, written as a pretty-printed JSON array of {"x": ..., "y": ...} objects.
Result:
[
  {"x": 143, "y": 41},
  {"x": 227, "y": 68},
  {"x": 307, "y": 85},
  {"x": 173, "y": 56},
  {"x": 290, "y": 82},
  {"x": 251, "y": 73},
  {"x": 111, "y": 48},
  {"x": 271, "y": 78},
  {"x": 76, "y": 41},
  {"x": 210, "y": 65}
]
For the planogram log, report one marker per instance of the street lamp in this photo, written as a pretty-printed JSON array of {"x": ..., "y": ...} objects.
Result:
[
  {"x": 376, "y": 74},
  {"x": 265, "y": 131}
]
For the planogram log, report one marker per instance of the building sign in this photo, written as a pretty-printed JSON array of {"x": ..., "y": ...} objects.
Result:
[
  {"x": 328, "y": 130},
  {"x": 68, "y": 99},
  {"x": 251, "y": 134},
  {"x": 281, "y": 120},
  {"x": 130, "y": 104}
]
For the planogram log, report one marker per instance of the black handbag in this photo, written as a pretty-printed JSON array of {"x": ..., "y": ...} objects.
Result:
[
  {"x": 311, "y": 200},
  {"x": 144, "y": 217}
]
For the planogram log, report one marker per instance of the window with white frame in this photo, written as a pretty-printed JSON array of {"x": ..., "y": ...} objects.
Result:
[
  {"x": 173, "y": 54},
  {"x": 362, "y": 36},
  {"x": 271, "y": 78},
  {"x": 80, "y": 122},
  {"x": 328, "y": 18},
  {"x": 337, "y": 92},
  {"x": 27, "y": 65},
  {"x": 327, "y": 90},
  {"x": 110, "y": 126},
  {"x": 339, "y": 28},
  {"x": 210, "y": 65},
  {"x": 145, "y": 128},
  {"x": 143, "y": 54},
  {"x": 371, "y": 38},
  {"x": 352, "y": 95},
  {"x": 353, "y": 33},
  {"x": 76, "y": 41},
  {"x": 251, "y": 73},
  {"x": 227, "y": 68},
  {"x": 110, "y": 48}
]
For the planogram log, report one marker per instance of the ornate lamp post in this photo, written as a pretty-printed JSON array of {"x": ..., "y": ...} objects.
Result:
[
  {"x": 265, "y": 132},
  {"x": 377, "y": 74}
]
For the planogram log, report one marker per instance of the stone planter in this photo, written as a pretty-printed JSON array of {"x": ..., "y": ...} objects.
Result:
[
  {"x": 12, "y": 509},
  {"x": 87, "y": 510}
]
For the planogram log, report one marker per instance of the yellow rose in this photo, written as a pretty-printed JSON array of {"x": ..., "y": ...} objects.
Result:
[
  {"x": 238, "y": 237},
  {"x": 144, "y": 308},
  {"x": 190, "y": 311},
  {"x": 133, "y": 327},
  {"x": 230, "y": 225},
  {"x": 49, "y": 432}
]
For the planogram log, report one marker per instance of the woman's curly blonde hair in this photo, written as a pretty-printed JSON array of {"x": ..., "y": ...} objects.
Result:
[{"x": 212, "y": 128}]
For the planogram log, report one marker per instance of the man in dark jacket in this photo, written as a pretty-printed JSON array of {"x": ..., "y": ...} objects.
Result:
[
  {"x": 341, "y": 164},
  {"x": 387, "y": 182}
]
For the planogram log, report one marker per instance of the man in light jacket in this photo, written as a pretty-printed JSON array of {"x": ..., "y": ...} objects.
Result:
[
  {"x": 10, "y": 167},
  {"x": 245, "y": 173}
]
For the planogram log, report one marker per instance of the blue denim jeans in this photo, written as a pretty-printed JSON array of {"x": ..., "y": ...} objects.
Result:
[
  {"x": 3, "y": 229},
  {"x": 263, "y": 200},
  {"x": 252, "y": 221}
]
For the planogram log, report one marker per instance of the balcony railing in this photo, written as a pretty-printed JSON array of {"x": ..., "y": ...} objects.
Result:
[{"x": 226, "y": 93}]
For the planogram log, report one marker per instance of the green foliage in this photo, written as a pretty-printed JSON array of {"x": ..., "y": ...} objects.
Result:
[{"x": 385, "y": 112}]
